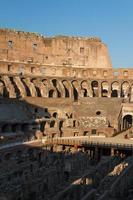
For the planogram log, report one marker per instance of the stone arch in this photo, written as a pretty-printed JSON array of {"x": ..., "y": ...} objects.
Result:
[
  {"x": 43, "y": 87},
  {"x": 3, "y": 89},
  {"x": 9, "y": 86},
  {"x": 104, "y": 88},
  {"x": 20, "y": 86},
  {"x": 95, "y": 87},
  {"x": 115, "y": 89},
  {"x": 68, "y": 88},
  {"x": 17, "y": 90},
  {"x": 31, "y": 87},
  {"x": 127, "y": 121},
  {"x": 61, "y": 88},
  {"x": 52, "y": 123},
  {"x": 57, "y": 86},
  {"x": 52, "y": 93},
  {"x": 37, "y": 87},
  {"x": 86, "y": 90},
  {"x": 125, "y": 87},
  {"x": 55, "y": 115},
  {"x": 75, "y": 89},
  {"x": 84, "y": 87},
  {"x": 28, "y": 93}
]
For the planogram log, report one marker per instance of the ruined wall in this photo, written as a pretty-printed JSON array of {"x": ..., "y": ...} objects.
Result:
[
  {"x": 30, "y": 172},
  {"x": 59, "y": 50},
  {"x": 65, "y": 70},
  {"x": 53, "y": 87}
]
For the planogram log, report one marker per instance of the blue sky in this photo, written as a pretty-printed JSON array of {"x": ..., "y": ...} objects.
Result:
[{"x": 111, "y": 20}]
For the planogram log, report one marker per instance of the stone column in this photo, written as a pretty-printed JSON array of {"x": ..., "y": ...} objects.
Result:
[
  {"x": 109, "y": 90},
  {"x": 112, "y": 152},
  {"x": 119, "y": 92},
  {"x": 99, "y": 89}
]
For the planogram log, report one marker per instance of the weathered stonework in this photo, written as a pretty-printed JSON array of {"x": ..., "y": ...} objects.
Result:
[{"x": 56, "y": 96}]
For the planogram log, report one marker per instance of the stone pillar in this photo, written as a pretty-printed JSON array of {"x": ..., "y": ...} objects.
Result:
[
  {"x": 119, "y": 93},
  {"x": 112, "y": 152},
  {"x": 109, "y": 90},
  {"x": 121, "y": 124},
  {"x": 99, "y": 89},
  {"x": 89, "y": 152}
]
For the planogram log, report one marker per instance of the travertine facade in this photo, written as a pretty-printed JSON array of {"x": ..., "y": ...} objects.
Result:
[{"x": 51, "y": 88}]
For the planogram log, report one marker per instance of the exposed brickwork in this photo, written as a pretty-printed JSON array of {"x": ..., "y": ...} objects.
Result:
[{"x": 59, "y": 87}]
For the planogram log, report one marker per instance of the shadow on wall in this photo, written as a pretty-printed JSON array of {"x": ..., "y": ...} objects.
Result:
[{"x": 22, "y": 121}]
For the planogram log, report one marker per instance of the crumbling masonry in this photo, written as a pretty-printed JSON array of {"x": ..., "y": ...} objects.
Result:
[{"x": 63, "y": 108}]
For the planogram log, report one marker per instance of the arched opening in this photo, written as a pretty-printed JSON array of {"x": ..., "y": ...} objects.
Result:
[
  {"x": 75, "y": 90},
  {"x": 114, "y": 89},
  {"x": 105, "y": 87},
  {"x": 45, "y": 82},
  {"x": 52, "y": 123},
  {"x": 26, "y": 88},
  {"x": 36, "y": 87},
  {"x": 3, "y": 90},
  {"x": 98, "y": 112},
  {"x": 66, "y": 92},
  {"x": 125, "y": 90},
  {"x": 85, "y": 92},
  {"x": 17, "y": 91},
  {"x": 54, "y": 81},
  {"x": 55, "y": 84},
  {"x": 55, "y": 115},
  {"x": 84, "y": 87},
  {"x": 42, "y": 126},
  {"x": 114, "y": 93},
  {"x": 75, "y": 93},
  {"x": 94, "y": 85},
  {"x": 104, "y": 93},
  {"x": 86, "y": 133},
  {"x": 51, "y": 93},
  {"x": 127, "y": 121},
  {"x": 65, "y": 84}
]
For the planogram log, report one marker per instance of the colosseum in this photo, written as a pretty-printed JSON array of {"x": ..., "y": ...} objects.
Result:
[{"x": 66, "y": 120}]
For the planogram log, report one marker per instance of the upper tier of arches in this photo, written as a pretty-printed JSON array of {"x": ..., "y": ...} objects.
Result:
[{"x": 20, "y": 87}]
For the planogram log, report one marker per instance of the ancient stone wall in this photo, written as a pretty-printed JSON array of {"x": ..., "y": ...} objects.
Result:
[
  {"x": 31, "y": 172},
  {"x": 49, "y": 88},
  {"x": 59, "y": 50}
]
